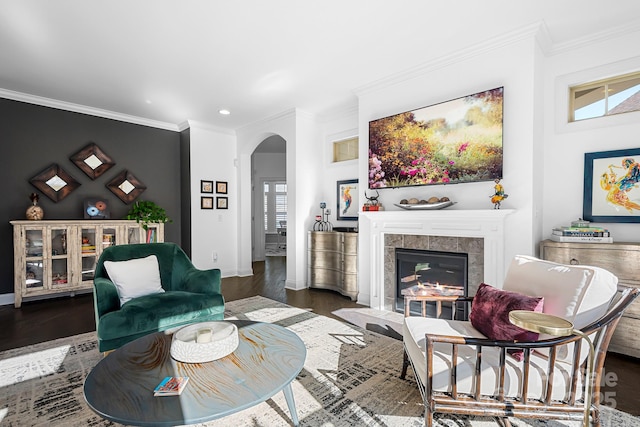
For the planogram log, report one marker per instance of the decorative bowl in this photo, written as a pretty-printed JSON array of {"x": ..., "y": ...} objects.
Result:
[
  {"x": 224, "y": 340},
  {"x": 425, "y": 206}
]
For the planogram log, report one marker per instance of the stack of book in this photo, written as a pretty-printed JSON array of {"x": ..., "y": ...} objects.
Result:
[{"x": 586, "y": 234}]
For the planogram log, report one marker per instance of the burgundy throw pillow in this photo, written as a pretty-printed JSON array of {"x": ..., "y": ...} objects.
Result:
[{"x": 490, "y": 315}]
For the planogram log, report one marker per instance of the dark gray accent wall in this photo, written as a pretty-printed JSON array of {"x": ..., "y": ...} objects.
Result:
[
  {"x": 33, "y": 137},
  {"x": 185, "y": 189}
]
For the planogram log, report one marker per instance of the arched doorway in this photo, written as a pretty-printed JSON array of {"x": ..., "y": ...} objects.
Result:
[{"x": 269, "y": 198}]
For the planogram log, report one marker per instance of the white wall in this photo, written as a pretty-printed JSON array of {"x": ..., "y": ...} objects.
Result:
[
  {"x": 566, "y": 143},
  {"x": 213, "y": 154},
  {"x": 511, "y": 65},
  {"x": 301, "y": 133},
  {"x": 339, "y": 126}
]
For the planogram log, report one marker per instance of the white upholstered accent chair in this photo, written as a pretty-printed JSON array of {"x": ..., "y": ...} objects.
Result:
[{"x": 461, "y": 371}]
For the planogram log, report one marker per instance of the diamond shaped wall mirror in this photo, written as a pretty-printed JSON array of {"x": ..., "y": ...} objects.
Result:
[
  {"x": 92, "y": 160},
  {"x": 126, "y": 186},
  {"x": 54, "y": 182}
]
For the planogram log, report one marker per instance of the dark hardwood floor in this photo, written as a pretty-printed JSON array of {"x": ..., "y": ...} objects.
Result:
[{"x": 45, "y": 320}]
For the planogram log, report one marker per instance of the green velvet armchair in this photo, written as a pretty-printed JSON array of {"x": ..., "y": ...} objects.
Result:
[{"x": 190, "y": 295}]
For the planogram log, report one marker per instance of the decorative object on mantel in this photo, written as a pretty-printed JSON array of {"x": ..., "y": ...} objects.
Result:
[
  {"x": 126, "y": 186},
  {"x": 498, "y": 195},
  {"x": 54, "y": 182},
  {"x": 372, "y": 203},
  {"x": 146, "y": 212},
  {"x": 433, "y": 203},
  {"x": 92, "y": 160},
  {"x": 581, "y": 231},
  {"x": 322, "y": 221},
  {"x": 34, "y": 212}
]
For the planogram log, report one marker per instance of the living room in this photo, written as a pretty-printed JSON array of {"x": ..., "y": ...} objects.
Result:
[{"x": 536, "y": 63}]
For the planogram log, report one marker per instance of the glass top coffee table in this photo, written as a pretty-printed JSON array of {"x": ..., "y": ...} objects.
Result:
[{"x": 268, "y": 358}]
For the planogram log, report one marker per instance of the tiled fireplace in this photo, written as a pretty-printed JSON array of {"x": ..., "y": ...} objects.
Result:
[{"x": 479, "y": 233}]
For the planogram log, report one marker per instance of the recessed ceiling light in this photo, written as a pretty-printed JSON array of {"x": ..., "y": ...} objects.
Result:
[{"x": 224, "y": 112}]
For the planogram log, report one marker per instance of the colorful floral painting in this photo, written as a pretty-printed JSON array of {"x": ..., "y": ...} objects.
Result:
[{"x": 452, "y": 142}]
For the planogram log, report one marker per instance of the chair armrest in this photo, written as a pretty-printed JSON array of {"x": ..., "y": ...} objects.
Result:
[
  {"x": 105, "y": 296},
  {"x": 201, "y": 281},
  {"x": 486, "y": 342}
]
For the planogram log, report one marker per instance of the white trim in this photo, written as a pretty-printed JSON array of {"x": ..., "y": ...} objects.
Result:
[
  {"x": 77, "y": 108},
  {"x": 560, "y": 48},
  {"x": 7, "y": 299}
]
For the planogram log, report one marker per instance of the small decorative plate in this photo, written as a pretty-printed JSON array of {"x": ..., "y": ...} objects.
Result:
[
  {"x": 425, "y": 206},
  {"x": 224, "y": 341}
]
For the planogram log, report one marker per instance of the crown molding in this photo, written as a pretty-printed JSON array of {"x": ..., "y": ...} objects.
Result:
[
  {"x": 205, "y": 126},
  {"x": 611, "y": 33},
  {"x": 339, "y": 112},
  {"x": 83, "y": 109},
  {"x": 525, "y": 33}
]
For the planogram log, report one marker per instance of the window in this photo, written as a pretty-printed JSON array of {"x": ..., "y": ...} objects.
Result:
[
  {"x": 605, "y": 97},
  {"x": 346, "y": 149},
  {"x": 275, "y": 204}
]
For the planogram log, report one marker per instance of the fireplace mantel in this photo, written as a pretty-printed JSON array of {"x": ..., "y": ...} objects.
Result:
[{"x": 373, "y": 226}]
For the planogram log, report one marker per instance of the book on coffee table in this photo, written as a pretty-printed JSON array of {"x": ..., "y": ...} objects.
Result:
[{"x": 171, "y": 386}]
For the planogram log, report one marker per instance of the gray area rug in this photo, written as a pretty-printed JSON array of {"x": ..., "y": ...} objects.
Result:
[{"x": 350, "y": 378}]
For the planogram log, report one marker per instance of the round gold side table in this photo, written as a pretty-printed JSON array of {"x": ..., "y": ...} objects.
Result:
[{"x": 557, "y": 326}]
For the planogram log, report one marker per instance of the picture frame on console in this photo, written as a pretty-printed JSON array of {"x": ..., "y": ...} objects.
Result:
[
  {"x": 348, "y": 200},
  {"x": 611, "y": 188}
]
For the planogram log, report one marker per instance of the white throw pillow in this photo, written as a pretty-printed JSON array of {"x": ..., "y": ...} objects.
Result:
[{"x": 135, "y": 278}]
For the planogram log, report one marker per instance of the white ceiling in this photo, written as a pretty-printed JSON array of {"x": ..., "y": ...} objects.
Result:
[{"x": 172, "y": 61}]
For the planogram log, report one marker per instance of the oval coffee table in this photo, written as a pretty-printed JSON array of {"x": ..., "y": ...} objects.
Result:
[{"x": 268, "y": 357}]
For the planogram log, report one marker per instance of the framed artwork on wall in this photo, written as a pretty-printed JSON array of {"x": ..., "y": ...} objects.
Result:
[
  {"x": 206, "y": 186},
  {"x": 221, "y": 187},
  {"x": 347, "y": 209},
  {"x": 612, "y": 186},
  {"x": 222, "y": 203},
  {"x": 206, "y": 202},
  {"x": 55, "y": 182},
  {"x": 126, "y": 186},
  {"x": 92, "y": 160}
]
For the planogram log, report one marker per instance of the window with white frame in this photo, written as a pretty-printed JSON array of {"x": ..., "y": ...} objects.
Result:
[
  {"x": 616, "y": 95},
  {"x": 275, "y": 205}
]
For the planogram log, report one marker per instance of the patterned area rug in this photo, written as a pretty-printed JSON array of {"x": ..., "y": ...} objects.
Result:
[{"x": 350, "y": 378}]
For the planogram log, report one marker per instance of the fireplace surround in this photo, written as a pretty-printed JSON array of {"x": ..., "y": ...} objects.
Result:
[{"x": 479, "y": 233}]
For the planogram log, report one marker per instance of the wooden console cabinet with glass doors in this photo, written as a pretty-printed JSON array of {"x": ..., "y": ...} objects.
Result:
[{"x": 59, "y": 257}]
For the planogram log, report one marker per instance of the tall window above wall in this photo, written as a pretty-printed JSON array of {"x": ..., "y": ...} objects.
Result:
[
  {"x": 275, "y": 205},
  {"x": 616, "y": 95},
  {"x": 345, "y": 149}
]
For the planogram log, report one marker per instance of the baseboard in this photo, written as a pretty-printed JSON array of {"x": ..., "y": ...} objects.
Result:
[{"x": 7, "y": 299}]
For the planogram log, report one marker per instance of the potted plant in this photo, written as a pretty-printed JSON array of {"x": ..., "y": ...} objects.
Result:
[{"x": 146, "y": 212}]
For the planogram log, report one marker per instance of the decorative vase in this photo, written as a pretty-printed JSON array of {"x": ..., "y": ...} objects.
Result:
[{"x": 34, "y": 212}]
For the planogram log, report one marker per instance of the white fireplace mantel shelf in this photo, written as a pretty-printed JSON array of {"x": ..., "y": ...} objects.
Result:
[{"x": 487, "y": 224}]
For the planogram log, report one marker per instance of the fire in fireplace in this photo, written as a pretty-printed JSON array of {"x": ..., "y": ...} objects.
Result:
[{"x": 443, "y": 272}]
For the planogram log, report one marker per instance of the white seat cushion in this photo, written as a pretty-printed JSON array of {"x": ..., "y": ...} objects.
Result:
[
  {"x": 135, "y": 277},
  {"x": 414, "y": 330}
]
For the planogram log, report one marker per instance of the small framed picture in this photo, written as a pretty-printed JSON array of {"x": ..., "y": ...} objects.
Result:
[
  {"x": 221, "y": 187},
  {"x": 348, "y": 202},
  {"x": 206, "y": 202},
  {"x": 222, "y": 203},
  {"x": 206, "y": 186}
]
